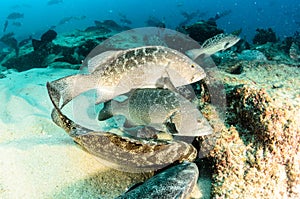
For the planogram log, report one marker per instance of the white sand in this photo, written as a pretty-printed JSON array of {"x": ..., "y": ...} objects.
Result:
[{"x": 37, "y": 158}]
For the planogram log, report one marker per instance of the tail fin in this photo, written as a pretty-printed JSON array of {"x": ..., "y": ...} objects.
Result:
[
  {"x": 69, "y": 87},
  {"x": 195, "y": 53},
  {"x": 106, "y": 112}
]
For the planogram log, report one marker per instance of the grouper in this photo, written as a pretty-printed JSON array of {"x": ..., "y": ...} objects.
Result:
[
  {"x": 212, "y": 45},
  {"x": 113, "y": 73},
  {"x": 157, "y": 108}
]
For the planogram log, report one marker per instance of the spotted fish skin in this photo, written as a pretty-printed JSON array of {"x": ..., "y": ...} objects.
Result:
[
  {"x": 155, "y": 107},
  {"x": 131, "y": 155},
  {"x": 175, "y": 182},
  {"x": 214, "y": 44},
  {"x": 121, "y": 71}
]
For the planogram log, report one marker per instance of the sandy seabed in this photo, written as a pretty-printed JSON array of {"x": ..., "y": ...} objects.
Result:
[{"x": 38, "y": 159}]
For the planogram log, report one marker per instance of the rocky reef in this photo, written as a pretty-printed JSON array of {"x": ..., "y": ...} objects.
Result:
[
  {"x": 256, "y": 151},
  {"x": 202, "y": 30},
  {"x": 65, "y": 50},
  {"x": 258, "y": 154},
  {"x": 263, "y": 36}
]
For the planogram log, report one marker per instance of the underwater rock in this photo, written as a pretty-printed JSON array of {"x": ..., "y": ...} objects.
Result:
[
  {"x": 250, "y": 55},
  {"x": 263, "y": 140},
  {"x": 46, "y": 38},
  {"x": 202, "y": 30},
  {"x": 235, "y": 69},
  {"x": 294, "y": 52},
  {"x": 263, "y": 36},
  {"x": 67, "y": 48},
  {"x": 274, "y": 52},
  {"x": 10, "y": 41},
  {"x": 242, "y": 45},
  {"x": 26, "y": 62}
]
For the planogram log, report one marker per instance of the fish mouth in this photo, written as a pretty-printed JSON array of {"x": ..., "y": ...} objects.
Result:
[{"x": 197, "y": 77}]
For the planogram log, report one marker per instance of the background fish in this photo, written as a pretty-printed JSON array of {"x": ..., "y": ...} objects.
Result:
[
  {"x": 15, "y": 15},
  {"x": 213, "y": 45},
  {"x": 175, "y": 182},
  {"x": 5, "y": 25},
  {"x": 113, "y": 73},
  {"x": 156, "y": 108}
]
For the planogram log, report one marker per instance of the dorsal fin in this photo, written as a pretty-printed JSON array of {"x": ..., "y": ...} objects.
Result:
[{"x": 99, "y": 60}]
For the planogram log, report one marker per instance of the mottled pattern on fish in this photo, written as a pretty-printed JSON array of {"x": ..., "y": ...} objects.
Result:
[
  {"x": 133, "y": 155},
  {"x": 214, "y": 44},
  {"x": 117, "y": 72},
  {"x": 175, "y": 182},
  {"x": 155, "y": 107},
  {"x": 222, "y": 39},
  {"x": 145, "y": 105},
  {"x": 124, "y": 62}
]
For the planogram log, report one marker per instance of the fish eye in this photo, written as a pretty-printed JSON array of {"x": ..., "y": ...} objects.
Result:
[{"x": 192, "y": 66}]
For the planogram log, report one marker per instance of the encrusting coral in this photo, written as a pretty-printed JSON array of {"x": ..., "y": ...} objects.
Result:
[{"x": 259, "y": 157}]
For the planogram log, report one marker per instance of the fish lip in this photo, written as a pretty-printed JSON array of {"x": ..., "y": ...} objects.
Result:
[{"x": 196, "y": 77}]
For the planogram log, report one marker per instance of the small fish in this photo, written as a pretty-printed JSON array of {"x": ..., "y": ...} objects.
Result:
[
  {"x": 68, "y": 19},
  {"x": 175, "y": 182},
  {"x": 131, "y": 155},
  {"x": 215, "y": 44},
  {"x": 113, "y": 73},
  {"x": 65, "y": 20},
  {"x": 17, "y": 24},
  {"x": 15, "y": 15},
  {"x": 18, "y": 6},
  {"x": 126, "y": 21},
  {"x": 5, "y": 25},
  {"x": 157, "y": 107}
]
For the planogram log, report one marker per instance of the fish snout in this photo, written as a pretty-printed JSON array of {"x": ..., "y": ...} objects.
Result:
[{"x": 198, "y": 76}]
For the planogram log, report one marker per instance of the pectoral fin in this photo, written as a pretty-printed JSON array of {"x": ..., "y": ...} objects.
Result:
[{"x": 165, "y": 82}]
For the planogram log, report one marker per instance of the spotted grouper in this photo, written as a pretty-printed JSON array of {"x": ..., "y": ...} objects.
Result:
[
  {"x": 157, "y": 108},
  {"x": 116, "y": 72},
  {"x": 214, "y": 44}
]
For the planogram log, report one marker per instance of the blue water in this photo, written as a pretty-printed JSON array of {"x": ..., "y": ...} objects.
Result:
[{"x": 281, "y": 16}]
